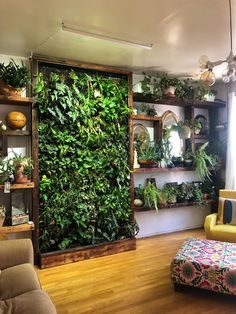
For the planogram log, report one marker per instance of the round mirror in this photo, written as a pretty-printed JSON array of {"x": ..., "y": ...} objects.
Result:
[{"x": 171, "y": 143}]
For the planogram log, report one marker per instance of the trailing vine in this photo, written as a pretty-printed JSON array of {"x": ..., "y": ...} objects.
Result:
[{"x": 83, "y": 159}]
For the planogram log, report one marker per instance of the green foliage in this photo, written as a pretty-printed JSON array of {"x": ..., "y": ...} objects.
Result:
[
  {"x": 83, "y": 160},
  {"x": 151, "y": 151},
  {"x": 148, "y": 109},
  {"x": 171, "y": 192},
  {"x": 14, "y": 75},
  {"x": 204, "y": 162},
  {"x": 151, "y": 195}
]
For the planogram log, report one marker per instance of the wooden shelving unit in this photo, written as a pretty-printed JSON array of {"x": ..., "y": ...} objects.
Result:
[
  {"x": 145, "y": 118},
  {"x": 16, "y": 229}
]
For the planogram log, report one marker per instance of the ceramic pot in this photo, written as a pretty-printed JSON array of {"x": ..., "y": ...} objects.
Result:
[
  {"x": 188, "y": 163},
  {"x": 184, "y": 132},
  {"x": 16, "y": 120}
]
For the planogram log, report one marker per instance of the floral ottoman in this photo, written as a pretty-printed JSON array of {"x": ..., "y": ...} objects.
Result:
[{"x": 206, "y": 264}]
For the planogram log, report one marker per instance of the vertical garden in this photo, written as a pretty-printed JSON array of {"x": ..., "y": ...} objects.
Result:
[{"x": 83, "y": 158}]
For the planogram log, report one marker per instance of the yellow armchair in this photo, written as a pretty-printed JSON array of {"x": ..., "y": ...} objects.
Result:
[{"x": 214, "y": 227}]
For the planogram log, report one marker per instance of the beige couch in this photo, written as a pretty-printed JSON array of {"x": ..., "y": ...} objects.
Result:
[{"x": 20, "y": 289}]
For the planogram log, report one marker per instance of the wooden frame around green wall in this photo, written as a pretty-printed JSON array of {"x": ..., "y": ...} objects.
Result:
[{"x": 83, "y": 148}]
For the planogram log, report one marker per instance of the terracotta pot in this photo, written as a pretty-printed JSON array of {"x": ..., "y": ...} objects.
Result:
[
  {"x": 170, "y": 91},
  {"x": 21, "y": 178},
  {"x": 147, "y": 163},
  {"x": 2, "y": 218},
  {"x": 205, "y": 196},
  {"x": 16, "y": 120},
  {"x": 8, "y": 90}
]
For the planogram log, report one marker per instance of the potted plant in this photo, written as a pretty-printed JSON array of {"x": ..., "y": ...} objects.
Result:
[
  {"x": 183, "y": 127},
  {"x": 210, "y": 95},
  {"x": 2, "y": 215},
  {"x": 168, "y": 85},
  {"x": 204, "y": 162},
  {"x": 151, "y": 195},
  {"x": 171, "y": 191},
  {"x": 149, "y": 155},
  {"x": 23, "y": 167},
  {"x": 188, "y": 158},
  {"x": 197, "y": 126},
  {"x": 13, "y": 78},
  {"x": 5, "y": 170},
  {"x": 138, "y": 196},
  {"x": 147, "y": 109},
  {"x": 198, "y": 196}
]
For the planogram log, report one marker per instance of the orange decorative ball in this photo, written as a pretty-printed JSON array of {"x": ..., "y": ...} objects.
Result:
[{"x": 16, "y": 120}]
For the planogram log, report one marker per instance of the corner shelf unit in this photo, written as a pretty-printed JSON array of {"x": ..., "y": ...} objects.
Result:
[{"x": 21, "y": 102}]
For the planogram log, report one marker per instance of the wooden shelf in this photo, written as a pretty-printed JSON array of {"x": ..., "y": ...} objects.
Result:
[
  {"x": 174, "y": 101},
  {"x": 177, "y": 205},
  {"x": 175, "y": 169},
  {"x": 16, "y": 229},
  {"x": 15, "y": 100},
  {"x": 15, "y": 133},
  {"x": 201, "y": 137},
  {"x": 143, "y": 117},
  {"x": 18, "y": 186}
]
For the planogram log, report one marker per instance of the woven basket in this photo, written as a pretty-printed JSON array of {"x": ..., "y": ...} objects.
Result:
[{"x": 8, "y": 90}]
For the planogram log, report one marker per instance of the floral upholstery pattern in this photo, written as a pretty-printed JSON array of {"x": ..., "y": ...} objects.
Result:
[{"x": 206, "y": 264}]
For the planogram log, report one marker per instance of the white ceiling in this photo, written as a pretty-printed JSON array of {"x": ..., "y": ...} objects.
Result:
[{"x": 180, "y": 31}]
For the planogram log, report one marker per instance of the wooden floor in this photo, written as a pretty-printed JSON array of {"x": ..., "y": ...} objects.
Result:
[{"x": 136, "y": 282}]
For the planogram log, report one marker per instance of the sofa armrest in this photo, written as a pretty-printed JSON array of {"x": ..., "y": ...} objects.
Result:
[
  {"x": 15, "y": 252},
  {"x": 210, "y": 222}
]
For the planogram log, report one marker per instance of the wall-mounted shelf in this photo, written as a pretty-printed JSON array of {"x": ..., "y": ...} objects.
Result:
[
  {"x": 15, "y": 100},
  {"x": 16, "y": 229},
  {"x": 15, "y": 133},
  {"x": 145, "y": 118},
  {"x": 176, "y": 205},
  {"x": 20, "y": 186},
  {"x": 175, "y": 169},
  {"x": 174, "y": 101}
]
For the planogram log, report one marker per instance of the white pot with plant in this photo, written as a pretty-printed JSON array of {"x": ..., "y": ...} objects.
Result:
[{"x": 2, "y": 215}]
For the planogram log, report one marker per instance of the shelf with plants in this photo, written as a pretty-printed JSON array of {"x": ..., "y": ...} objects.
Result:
[
  {"x": 164, "y": 169},
  {"x": 176, "y": 205},
  {"x": 15, "y": 169},
  {"x": 174, "y": 101}
]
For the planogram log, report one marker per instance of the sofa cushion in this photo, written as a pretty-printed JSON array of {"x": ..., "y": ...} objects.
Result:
[
  {"x": 227, "y": 211},
  {"x": 226, "y": 233},
  {"x": 33, "y": 302},
  {"x": 17, "y": 280}
]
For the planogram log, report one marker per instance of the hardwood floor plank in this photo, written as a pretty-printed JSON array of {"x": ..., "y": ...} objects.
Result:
[{"x": 134, "y": 282}]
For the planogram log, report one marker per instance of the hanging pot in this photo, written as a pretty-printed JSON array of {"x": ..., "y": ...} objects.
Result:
[{"x": 184, "y": 132}]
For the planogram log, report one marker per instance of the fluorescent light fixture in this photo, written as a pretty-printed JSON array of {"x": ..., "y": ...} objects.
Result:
[{"x": 104, "y": 37}]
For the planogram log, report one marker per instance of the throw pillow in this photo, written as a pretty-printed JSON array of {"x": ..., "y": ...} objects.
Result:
[{"x": 227, "y": 211}]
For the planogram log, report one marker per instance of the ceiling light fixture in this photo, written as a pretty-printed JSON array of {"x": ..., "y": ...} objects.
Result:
[
  {"x": 104, "y": 37},
  {"x": 228, "y": 74}
]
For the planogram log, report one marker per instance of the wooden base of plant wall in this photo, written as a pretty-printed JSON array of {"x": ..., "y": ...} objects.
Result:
[{"x": 82, "y": 253}]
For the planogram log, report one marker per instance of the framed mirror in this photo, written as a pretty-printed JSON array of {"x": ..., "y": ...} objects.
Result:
[{"x": 171, "y": 143}]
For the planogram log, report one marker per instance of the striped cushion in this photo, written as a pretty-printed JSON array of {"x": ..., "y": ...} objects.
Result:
[{"x": 227, "y": 211}]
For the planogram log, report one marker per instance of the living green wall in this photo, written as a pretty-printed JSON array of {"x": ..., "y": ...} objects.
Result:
[{"x": 83, "y": 158}]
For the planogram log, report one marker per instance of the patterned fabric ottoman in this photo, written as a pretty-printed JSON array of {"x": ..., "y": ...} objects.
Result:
[{"x": 206, "y": 264}]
